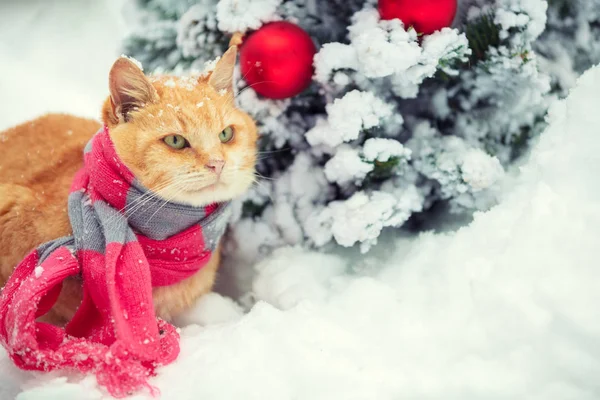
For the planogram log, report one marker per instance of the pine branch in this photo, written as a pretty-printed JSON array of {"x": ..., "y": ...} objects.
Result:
[
  {"x": 482, "y": 34},
  {"x": 384, "y": 169},
  {"x": 563, "y": 8},
  {"x": 251, "y": 209}
]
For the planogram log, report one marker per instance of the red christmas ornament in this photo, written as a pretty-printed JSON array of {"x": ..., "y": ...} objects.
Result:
[
  {"x": 426, "y": 16},
  {"x": 277, "y": 60}
]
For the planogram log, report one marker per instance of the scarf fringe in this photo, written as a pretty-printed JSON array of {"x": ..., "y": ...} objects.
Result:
[{"x": 44, "y": 347}]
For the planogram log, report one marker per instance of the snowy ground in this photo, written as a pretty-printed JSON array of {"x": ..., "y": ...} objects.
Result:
[
  {"x": 506, "y": 308},
  {"x": 55, "y": 56}
]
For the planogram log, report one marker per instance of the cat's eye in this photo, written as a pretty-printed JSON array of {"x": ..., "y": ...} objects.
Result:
[
  {"x": 176, "y": 142},
  {"x": 226, "y": 134}
]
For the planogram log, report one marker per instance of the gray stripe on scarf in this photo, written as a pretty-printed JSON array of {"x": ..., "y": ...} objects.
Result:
[
  {"x": 115, "y": 226},
  {"x": 48, "y": 248},
  {"x": 158, "y": 219},
  {"x": 84, "y": 223},
  {"x": 88, "y": 147},
  {"x": 213, "y": 228}
]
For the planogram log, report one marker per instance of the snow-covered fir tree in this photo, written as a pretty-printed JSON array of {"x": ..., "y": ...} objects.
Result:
[
  {"x": 393, "y": 123},
  {"x": 571, "y": 42}
]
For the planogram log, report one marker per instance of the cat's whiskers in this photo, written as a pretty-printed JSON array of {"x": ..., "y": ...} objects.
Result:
[
  {"x": 249, "y": 70},
  {"x": 258, "y": 158},
  {"x": 249, "y": 86},
  {"x": 164, "y": 203},
  {"x": 267, "y": 191},
  {"x": 178, "y": 187},
  {"x": 174, "y": 188},
  {"x": 254, "y": 172},
  {"x": 144, "y": 199},
  {"x": 263, "y": 155},
  {"x": 137, "y": 203},
  {"x": 141, "y": 201},
  {"x": 273, "y": 151},
  {"x": 244, "y": 79},
  {"x": 269, "y": 153},
  {"x": 266, "y": 178}
]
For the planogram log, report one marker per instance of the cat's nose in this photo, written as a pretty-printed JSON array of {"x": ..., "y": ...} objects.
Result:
[{"x": 215, "y": 166}]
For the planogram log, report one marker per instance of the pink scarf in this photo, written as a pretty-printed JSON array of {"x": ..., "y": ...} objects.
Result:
[{"x": 121, "y": 251}]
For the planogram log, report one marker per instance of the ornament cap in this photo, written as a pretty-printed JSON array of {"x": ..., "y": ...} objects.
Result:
[{"x": 236, "y": 39}]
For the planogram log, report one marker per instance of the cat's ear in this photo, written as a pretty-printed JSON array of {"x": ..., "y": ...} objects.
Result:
[
  {"x": 221, "y": 77},
  {"x": 129, "y": 88}
]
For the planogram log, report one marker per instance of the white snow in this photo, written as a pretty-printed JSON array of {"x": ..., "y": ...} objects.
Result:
[
  {"x": 459, "y": 168},
  {"x": 347, "y": 117},
  {"x": 505, "y": 308},
  {"x": 479, "y": 170},
  {"x": 528, "y": 15},
  {"x": 242, "y": 15},
  {"x": 281, "y": 282},
  {"x": 361, "y": 218},
  {"x": 346, "y": 166},
  {"x": 49, "y": 68},
  {"x": 441, "y": 46},
  {"x": 333, "y": 56},
  {"x": 379, "y": 49},
  {"x": 383, "y": 48},
  {"x": 38, "y": 271},
  {"x": 383, "y": 149},
  {"x": 210, "y": 310},
  {"x": 191, "y": 28}
]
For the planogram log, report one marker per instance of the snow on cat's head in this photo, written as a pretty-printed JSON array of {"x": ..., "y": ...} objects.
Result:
[{"x": 182, "y": 137}]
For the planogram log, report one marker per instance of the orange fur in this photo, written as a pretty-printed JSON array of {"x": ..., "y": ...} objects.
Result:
[{"x": 38, "y": 160}]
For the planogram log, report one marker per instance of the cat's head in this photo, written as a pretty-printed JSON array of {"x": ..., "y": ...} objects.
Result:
[{"x": 182, "y": 137}]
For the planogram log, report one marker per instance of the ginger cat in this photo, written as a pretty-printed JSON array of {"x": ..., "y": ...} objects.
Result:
[{"x": 183, "y": 138}]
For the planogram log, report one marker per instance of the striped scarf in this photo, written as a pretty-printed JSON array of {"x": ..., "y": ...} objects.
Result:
[{"x": 125, "y": 242}]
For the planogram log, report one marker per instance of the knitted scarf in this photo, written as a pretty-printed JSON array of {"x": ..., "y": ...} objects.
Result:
[{"x": 125, "y": 242}]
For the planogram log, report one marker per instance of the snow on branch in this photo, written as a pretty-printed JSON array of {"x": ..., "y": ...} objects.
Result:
[{"x": 243, "y": 15}]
